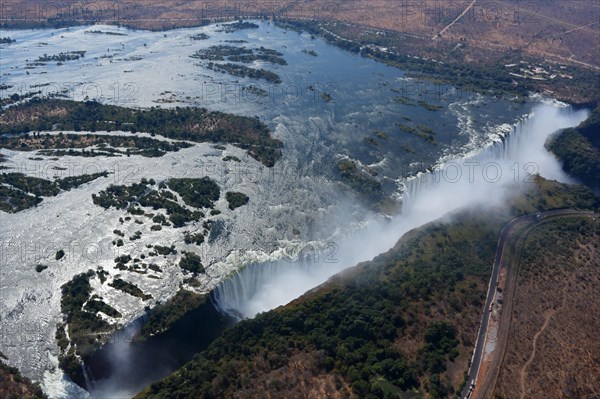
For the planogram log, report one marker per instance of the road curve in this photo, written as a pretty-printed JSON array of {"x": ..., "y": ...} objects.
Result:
[{"x": 523, "y": 223}]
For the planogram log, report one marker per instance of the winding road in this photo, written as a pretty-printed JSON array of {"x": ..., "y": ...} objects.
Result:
[{"x": 512, "y": 233}]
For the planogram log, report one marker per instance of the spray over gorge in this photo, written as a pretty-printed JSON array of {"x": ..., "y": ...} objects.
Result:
[{"x": 484, "y": 179}]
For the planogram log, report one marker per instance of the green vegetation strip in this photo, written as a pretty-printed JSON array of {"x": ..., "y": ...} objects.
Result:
[
  {"x": 63, "y": 144},
  {"x": 193, "y": 124},
  {"x": 130, "y": 288},
  {"x": 197, "y": 193},
  {"x": 244, "y": 71},
  {"x": 579, "y": 150},
  {"x": 19, "y": 191},
  {"x": 240, "y": 54},
  {"x": 368, "y": 188}
]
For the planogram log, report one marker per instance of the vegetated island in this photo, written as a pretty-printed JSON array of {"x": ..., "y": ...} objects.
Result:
[
  {"x": 422, "y": 131},
  {"x": 197, "y": 194},
  {"x": 100, "y": 32},
  {"x": 243, "y": 71},
  {"x": 238, "y": 25},
  {"x": 199, "y": 36},
  {"x": 61, "y": 57},
  {"x": 236, "y": 199},
  {"x": 192, "y": 124},
  {"x": 90, "y": 145},
  {"x": 19, "y": 191},
  {"x": 239, "y": 54}
]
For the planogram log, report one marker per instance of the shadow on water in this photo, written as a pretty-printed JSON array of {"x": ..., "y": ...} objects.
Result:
[{"x": 126, "y": 365}]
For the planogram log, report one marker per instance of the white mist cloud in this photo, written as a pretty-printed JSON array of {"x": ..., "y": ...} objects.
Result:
[{"x": 486, "y": 179}]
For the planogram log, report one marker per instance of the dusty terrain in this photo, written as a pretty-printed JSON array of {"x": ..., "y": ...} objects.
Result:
[
  {"x": 562, "y": 30},
  {"x": 554, "y": 28},
  {"x": 14, "y": 386},
  {"x": 552, "y": 351}
]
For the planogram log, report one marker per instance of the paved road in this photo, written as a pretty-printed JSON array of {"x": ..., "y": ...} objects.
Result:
[{"x": 506, "y": 236}]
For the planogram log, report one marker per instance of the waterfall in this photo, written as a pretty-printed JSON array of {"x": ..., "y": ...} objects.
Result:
[
  {"x": 486, "y": 178},
  {"x": 86, "y": 375},
  {"x": 517, "y": 156},
  {"x": 499, "y": 150},
  {"x": 263, "y": 286}
]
